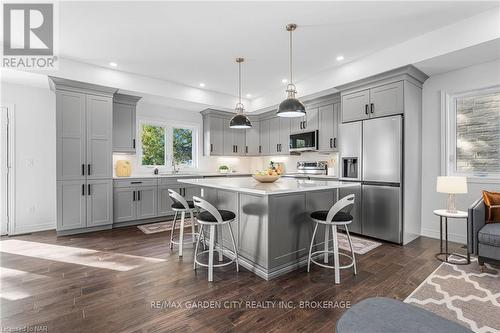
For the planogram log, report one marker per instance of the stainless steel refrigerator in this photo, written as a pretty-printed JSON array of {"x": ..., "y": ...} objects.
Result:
[{"x": 380, "y": 173}]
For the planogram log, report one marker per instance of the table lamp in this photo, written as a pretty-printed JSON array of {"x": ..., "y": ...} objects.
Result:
[{"x": 451, "y": 186}]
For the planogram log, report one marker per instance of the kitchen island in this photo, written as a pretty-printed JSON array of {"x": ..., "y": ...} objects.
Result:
[{"x": 272, "y": 226}]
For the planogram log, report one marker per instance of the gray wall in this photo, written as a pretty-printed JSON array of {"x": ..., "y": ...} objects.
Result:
[{"x": 469, "y": 78}]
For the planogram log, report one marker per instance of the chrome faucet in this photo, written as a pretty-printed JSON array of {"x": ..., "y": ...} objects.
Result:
[{"x": 175, "y": 166}]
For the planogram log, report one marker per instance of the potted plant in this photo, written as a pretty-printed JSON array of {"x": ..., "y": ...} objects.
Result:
[{"x": 223, "y": 169}]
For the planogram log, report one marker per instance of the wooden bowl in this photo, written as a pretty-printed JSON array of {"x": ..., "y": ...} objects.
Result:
[{"x": 266, "y": 179}]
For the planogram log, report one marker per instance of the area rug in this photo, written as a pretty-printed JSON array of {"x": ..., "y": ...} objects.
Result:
[
  {"x": 463, "y": 294},
  {"x": 359, "y": 245},
  {"x": 153, "y": 228}
]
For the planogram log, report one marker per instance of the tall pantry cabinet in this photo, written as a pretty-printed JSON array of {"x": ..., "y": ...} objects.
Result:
[{"x": 84, "y": 125}]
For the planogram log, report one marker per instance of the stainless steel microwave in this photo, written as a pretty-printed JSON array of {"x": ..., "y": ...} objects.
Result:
[{"x": 305, "y": 141}]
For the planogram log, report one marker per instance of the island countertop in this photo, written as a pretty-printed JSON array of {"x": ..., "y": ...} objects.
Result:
[{"x": 281, "y": 186}]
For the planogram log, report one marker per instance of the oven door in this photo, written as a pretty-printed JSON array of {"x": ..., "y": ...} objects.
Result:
[{"x": 307, "y": 141}]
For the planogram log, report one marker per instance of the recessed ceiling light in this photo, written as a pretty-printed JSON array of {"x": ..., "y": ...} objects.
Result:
[
  {"x": 249, "y": 95},
  {"x": 340, "y": 58},
  {"x": 202, "y": 84},
  {"x": 284, "y": 80},
  {"x": 113, "y": 64}
]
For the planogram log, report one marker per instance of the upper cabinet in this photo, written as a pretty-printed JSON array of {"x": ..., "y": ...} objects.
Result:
[
  {"x": 213, "y": 135},
  {"x": 328, "y": 127},
  {"x": 234, "y": 140},
  {"x": 379, "y": 101},
  {"x": 265, "y": 136},
  {"x": 124, "y": 123},
  {"x": 307, "y": 123},
  {"x": 252, "y": 139},
  {"x": 279, "y": 136}
]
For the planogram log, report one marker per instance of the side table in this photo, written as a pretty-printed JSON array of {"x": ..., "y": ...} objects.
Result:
[{"x": 445, "y": 215}]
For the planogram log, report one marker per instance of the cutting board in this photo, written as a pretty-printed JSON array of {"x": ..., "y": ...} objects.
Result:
[{"x": 123, "y": 168}]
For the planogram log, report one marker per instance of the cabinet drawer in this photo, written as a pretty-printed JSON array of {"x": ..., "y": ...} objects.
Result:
[{"x": 134, "y": 182}]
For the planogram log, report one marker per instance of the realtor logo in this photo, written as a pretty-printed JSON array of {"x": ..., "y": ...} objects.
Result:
[{"x": 28, "y": 34}]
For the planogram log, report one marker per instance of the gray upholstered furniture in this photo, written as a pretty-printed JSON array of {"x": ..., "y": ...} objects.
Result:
[
  {"x": 484, "y": 238},
  {"x": 386, "y": 315}
]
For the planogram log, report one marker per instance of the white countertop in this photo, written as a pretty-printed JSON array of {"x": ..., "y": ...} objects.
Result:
[
  {"x": 185, "y": 175},
  {"x": 282, "y": 185}
]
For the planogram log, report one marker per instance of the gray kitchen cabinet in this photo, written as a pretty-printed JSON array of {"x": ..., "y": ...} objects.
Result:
[
  {"x": 307, "y": 123},
  {"x": 191, "y": 191},
  {"x": 265, "y": 137},
  {"x": 99, "y": 202},
  {"x": 252, "y": 139},
  {"x": 240, "y": 141},
  {"x": 355, "y": 106},
  {"x": 147, "y": 202},
  {"x": 99, "y": 137},
  {"x": 84, "y": 134},
  {"x": 274, "y": 136},
  {"x": 164, "y": 201},
  {"x": 124, "y": 123},
  {"x": 71, "y": 205},
  {"x": 124, "y": 207},
  {"x": 386, "y": 100},
  {"x": 70, "y": 119},
  {"x": 284, "y": 134},
  {"x": 377, "y": 101},
  {"x": 229, "y": 139},
  {"x": 328, "y": 127},
  {"x": 213, "y": 135}
]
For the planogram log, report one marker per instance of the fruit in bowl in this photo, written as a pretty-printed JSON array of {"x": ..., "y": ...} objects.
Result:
[{"x": 269, "y": 175}]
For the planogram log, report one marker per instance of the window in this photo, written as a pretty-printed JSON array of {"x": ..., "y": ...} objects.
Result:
[
  {"x": 474, "y": 134},
  {"x": 165, "y": 144}
]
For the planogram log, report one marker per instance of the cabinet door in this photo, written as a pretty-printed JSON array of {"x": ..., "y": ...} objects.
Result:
[
  {"x": 296, "y": 124},
  {"x": 123, "y": 127},
  {"x": 214, "y": 134},
  {"x": 229, "y": 143},
  {"x": 252, "y": 138},
  {"x": 326, "y": 124},
  {"x": 386, "y": 100},
  {"x": 311, "y": 122},
  {"x": 99, "y": 202},
  {"x": 355, "y": 106},
  {"x": 274, "y": 135},
  {"x": 336, "y": 122},
  {"x": 99, "y": 137},
  {"x": 284, "y": 134},
  {"x": 239, "y": 136},
  {"x": 70, "y": 120},
  {"x": 264, "y": 137},
  {"x": 124, "y": 206},
  {"x": 71, "y": 204},
  {"x": 147, "y": 202},
  {"x": 189, "y": 192},
  {"x": 164, "y": 201}
]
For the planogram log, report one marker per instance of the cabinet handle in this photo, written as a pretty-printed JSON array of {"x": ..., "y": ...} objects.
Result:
[
  {"x": 139, "y": 195},
  {"x": 305, "y": 124},
  {"x": 88, "y": 169},
  {"x": 300, "y": 125},
  {"x": 133, "y": 195},
  {"x": 372, "y": 107},
  {"x": 366, "y": 108},
  {"x": 236, "y": 148},
  {"x": 135, "y": 182},
  {"x": 88, "y": 190},
  {"x": 133, "y": 143},
  {"x": 331, "y": 143},
  {"x": 211, "y": 148},
  {"x": 246, "y": 149},
  {"x": 83, "y": 169},
  {"x": 260, "y": 149},
  {"x": 334, "y": 142},
  {"x": 83, "y": 189}
]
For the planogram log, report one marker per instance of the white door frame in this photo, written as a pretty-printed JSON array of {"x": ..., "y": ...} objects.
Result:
[{"x": 8, "y": 220}]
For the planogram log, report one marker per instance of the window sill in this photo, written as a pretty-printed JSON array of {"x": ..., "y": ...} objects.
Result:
[{"x": 482, "y": 180}]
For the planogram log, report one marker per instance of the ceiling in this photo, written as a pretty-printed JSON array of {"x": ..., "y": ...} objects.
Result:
[{"x": 194, "y": 42}]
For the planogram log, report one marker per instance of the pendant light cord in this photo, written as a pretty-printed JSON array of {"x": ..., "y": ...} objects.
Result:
[
  {"x": 239, "y": 80},
  {"x": 291, "y": 57}
]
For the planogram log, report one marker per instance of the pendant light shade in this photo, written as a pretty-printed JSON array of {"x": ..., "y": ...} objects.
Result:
[
  {"x": 291, "y": 106},
  {"x": 240, "y": 120}
]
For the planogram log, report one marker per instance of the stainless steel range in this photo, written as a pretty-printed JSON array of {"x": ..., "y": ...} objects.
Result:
[{"x": 308, "y": 169}]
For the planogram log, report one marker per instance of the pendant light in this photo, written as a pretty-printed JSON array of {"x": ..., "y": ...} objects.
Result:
[
  {"x": 240, "y": 120},
  {"x": 291, "y": 106}
]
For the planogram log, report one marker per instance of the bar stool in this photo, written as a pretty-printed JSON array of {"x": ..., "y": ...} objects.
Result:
[
  {"x": 333, "y": 218},
  {"x": 180, "y": 205},
  {"x": 212, "y": 217}
]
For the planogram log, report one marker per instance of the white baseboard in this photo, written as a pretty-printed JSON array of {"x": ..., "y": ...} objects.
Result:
[
  {"x": 26, "y": 229},
  {"x": 452, "y": 237}
]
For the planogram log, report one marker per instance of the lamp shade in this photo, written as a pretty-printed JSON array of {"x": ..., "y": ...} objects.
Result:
[
  {"x": 291, "y": 107},
  {"x": 451, "y": 185},
  {"x": 240, "y": 121}
]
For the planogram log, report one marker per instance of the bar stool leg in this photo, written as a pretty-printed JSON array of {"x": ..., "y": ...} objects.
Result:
[
  {"x": 181, "y": 234},
  {"x": 327, "y": 232},
  {"x": 311, "y": 246},
  {"x": 172, "y": 231},
  {"x": 193, "y": 230},
  {"x": 221, "y": 243},
  {"x": 196, "y": 248},
  {"x": 352, "y": 250},
  {"x": 234, "y": 246},
  {"x": 211, "y": 254},
  {"x": 336, "y": 254}
]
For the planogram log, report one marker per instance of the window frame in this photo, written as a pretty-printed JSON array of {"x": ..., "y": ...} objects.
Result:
[
  {"x": 449, "y": 135},
  {"x": 168, "y": 126}
]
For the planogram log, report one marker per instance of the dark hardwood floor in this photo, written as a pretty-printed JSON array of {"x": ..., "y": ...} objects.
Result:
[{"x": 107, "y": 282}]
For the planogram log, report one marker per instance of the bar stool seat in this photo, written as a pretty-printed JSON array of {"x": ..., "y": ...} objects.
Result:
[
  {"x": 211, "y": 218},
  {"x": 179, "y": 205},
  {"x": 336, "y": 216}
]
